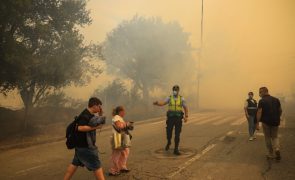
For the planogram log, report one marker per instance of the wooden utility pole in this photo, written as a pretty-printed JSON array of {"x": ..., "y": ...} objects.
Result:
[{"x": 200, "y": 57}]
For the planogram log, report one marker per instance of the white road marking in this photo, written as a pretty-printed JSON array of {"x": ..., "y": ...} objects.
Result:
[
  {"x": 29, "y": 169},
  {"x": 208, "y": 120},
  {"x": 190, "y": 120},
  {"x": 159, "y": 122},
  {"x": 193, "y": 159},
  {"x": 199, "y": 119},
  {"x": 197, "y": 156},
  {"x": 259, "y": 134},
  {"x": 239, "y": 121},
  {"x": 227, "y": 134},
  {"x": 283, "y": 123},
  {"x": 222, "y": 121}
]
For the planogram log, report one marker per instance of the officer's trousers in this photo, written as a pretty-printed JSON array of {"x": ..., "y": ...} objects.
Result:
[{"x": 170, "y": 124}]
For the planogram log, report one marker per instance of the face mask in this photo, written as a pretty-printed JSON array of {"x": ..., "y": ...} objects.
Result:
[{"x": 175, "y": 93}]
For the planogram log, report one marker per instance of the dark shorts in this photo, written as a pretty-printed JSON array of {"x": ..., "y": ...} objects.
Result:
[{"x": 87, "y": 157}]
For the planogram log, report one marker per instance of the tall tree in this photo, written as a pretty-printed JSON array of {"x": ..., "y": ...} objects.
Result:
[
  {"x": 113, "y": 95},
  {"x": 41, "y": 48},
  {"x": 149, "y": 52}
]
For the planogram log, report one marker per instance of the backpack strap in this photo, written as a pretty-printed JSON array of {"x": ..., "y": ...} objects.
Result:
[{"x": 76, "y": 123}]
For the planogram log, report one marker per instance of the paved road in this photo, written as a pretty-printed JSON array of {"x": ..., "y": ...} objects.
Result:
[{"x": 213, "y": 145}]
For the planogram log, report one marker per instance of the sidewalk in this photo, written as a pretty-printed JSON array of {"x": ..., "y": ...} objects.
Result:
[{"x": 235, "y": 157}]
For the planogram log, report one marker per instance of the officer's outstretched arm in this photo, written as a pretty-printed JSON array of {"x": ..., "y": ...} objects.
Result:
[{"x": 157, "y": 103}]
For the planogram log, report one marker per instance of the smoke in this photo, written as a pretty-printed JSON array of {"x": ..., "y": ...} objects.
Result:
[{"x": 247, "y": 44}]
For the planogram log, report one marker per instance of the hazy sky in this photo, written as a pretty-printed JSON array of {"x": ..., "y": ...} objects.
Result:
[{"x": 247, "y": 43}]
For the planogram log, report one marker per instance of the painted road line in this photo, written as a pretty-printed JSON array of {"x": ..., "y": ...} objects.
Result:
[
  {"x": 190, "y": 120},
  {"x": 258, "y": 134},
  {"x": 224, "y": 120},
  {"x": 199, "y": 119},
  {"x": 208, "y": 120},
  {"x": 196, "y": 157},
  {"x": 239, "y": 121},
  {"x": 159, "y": 122},
  {"x": 227, "y": 134},
  {"x": 190, "y": 161},
  {"x": 29, "y": 169},
  {"x": 283, "y": 122}
]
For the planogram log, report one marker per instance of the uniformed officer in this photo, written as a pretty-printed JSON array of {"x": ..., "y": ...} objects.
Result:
[
  {"x": 250, "y": 112},
  {"x": 176, "y": 105}
]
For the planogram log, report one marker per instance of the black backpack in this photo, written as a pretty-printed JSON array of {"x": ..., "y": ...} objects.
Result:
[{"x": 71, "y": 134}]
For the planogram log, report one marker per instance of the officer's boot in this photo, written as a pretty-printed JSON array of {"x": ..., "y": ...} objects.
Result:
[
  {"x": 168, "y": 145},
  {"x": 176, "y": 150}
]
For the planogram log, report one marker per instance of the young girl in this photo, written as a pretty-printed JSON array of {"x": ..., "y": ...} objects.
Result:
[{"x": 119, "y": 156}]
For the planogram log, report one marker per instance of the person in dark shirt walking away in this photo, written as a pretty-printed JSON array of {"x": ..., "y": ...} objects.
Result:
[
  {"x": 269, "y": 113},
  {"x": 250, "y": 108},
  {"x": 85, "y": 155}
]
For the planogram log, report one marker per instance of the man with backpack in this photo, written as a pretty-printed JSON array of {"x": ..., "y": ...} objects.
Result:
[{"x": 85, "y": 155}]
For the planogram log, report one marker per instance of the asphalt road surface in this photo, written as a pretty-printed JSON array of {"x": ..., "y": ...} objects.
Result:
[{"x": 213, "y": 146}]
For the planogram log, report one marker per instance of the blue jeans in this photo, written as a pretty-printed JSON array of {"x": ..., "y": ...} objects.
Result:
[{"x": 251, "y": 125}]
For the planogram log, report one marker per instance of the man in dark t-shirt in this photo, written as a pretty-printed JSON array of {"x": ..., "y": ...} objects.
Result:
[
  {"x": 83, "y": 120},
  {"x": 84, "y": 155},
  {"x": 269, "y": 113}
]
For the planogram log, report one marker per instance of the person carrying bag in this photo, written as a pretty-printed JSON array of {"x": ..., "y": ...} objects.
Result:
[
  {"x": 121, "y": 138},
  {"x": 120, "y": 142}
]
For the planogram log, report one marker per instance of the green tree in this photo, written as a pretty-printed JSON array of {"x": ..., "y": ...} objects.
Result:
[
  {"x": 149, "y": 52},
  {"x": 113, "y": 95},
  {"x": 41, "y": 48}
]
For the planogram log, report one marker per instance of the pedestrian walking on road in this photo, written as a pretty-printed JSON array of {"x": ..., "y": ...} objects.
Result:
[
  {"x": 250, "y": 108},
  {"x": 85, "y": 155},
  {"x": 175, "y": 115},
  {"x": 269, "y": 113},
  {"x": 120, "y": 154}
]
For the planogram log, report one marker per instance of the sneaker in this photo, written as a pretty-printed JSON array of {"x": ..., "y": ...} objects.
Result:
[
  {"x": 251, "y": 139},
  {"x": 176, "y": 152},
  {"x": 125, "y": 170},
  {"x": 114, "y": 174},
  {"x": 278, "y": 155},
  {"x": 270, "y": 156}
]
